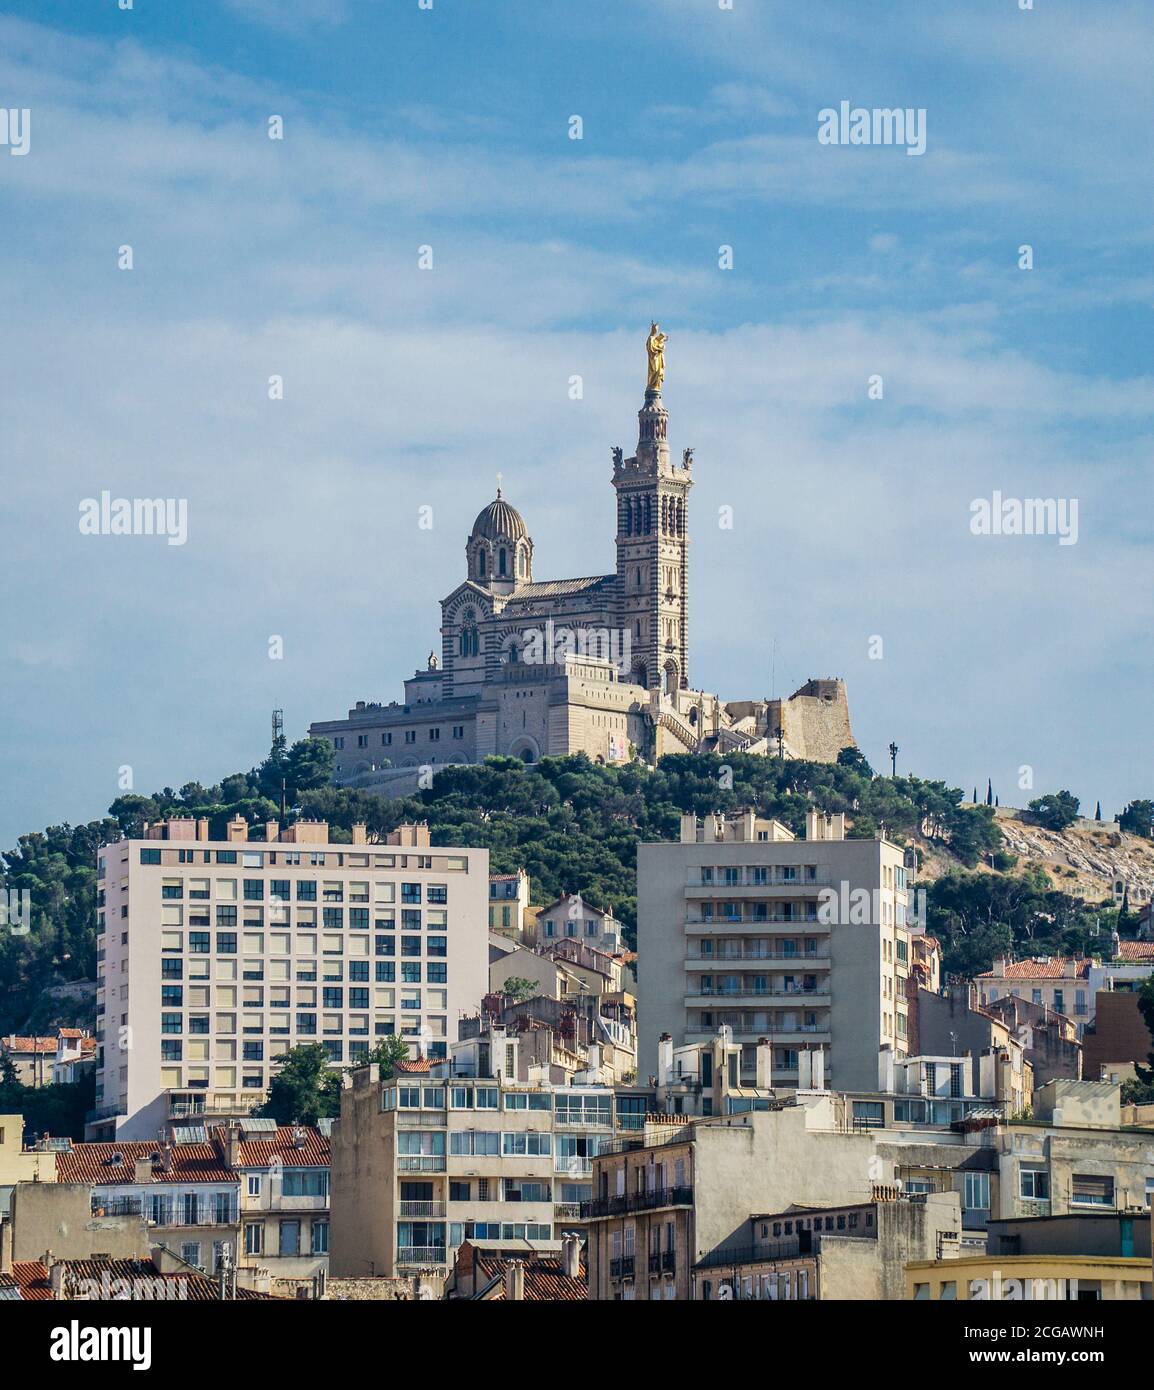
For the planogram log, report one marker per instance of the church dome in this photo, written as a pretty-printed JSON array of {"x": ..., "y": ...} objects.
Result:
[{"x": 499, "y": 521}]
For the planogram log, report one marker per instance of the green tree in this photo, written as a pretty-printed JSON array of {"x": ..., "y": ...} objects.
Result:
[
  {"x": 519, "y": 988},
  {"x": 304, "y": 1089},
  {"x": 386, "y": 1054},
  {"x": 1138, "y": 818},
  {"x": 1055, "y": 810},
  {"x": 309, "y": 765},
  {"x": 853, "y": 757}
]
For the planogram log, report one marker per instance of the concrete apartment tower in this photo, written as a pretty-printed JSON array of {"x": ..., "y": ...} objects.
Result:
[
  {"x": 803, "y": 944},
  {"x": 216, "y": 956}
]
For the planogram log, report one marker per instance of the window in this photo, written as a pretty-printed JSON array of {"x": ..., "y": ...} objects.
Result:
[
  {"x": 150, "y": 856},
  {"x": 290, "y": 1237},
  {"x": 254, "y": 1237},
  {"x": 254, "y": 889},
  {"x": 254, "y": 1185},
  {"x": 1090, "y": 1190},
  {"x": 976, "y": 1196},
  {"x": 171, "y": 1023},
  {"x": 1034, "y": 1184},
  {"x": 226, "y": 943},
  {"x": 225, "y": 916},
  {"x": 528, "y": 1145},
  {"x": 306, "y": 890},
  {"x": 305, "y": 1182},
  {"x": 198, "y": 943},
  {"x": 410, "y": 892},
  {"x": 319, "y": 1238},
  {"x": 172, "y": 996}
]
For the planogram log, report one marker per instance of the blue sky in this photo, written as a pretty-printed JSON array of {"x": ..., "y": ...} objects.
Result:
[{"x": 408, "y": 388}]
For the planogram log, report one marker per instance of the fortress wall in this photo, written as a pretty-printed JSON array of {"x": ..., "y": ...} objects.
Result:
[{"x": 817, "y": 724}]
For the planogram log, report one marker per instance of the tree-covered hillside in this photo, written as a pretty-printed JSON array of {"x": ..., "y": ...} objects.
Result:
[{"x": 573, "y": 825}]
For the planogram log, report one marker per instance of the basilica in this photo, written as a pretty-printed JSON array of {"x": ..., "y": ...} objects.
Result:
[{"x": 535, "y": 668}]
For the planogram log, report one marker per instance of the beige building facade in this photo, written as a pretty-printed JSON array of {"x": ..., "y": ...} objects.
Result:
[
  {"x": 217, "y": 957},
  {"x": 804, "y": 943}
]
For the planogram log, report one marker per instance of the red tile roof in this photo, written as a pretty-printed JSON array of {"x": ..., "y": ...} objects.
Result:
[
  {"x": 31, "y": 1278},
  {"x": 106, "y": 1165},
  {"x": 1050, "y": 969},
  {"x": 71, "y": 1032},
  {"x": 417, "y": 1064},
  {"x": 1137, "y": 952},
  {"x": 544, "y": 1281},
  {"x": 314, "y": 1151},
  {"x": 17, "y": 1044},
  {"x": 35, "y": 1286}
]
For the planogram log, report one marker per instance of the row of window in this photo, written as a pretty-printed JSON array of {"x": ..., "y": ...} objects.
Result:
[
  {"x": 316, "y": 858},
  {"x": 201, "y": 943},
  {"x": 410, "y": 736}
]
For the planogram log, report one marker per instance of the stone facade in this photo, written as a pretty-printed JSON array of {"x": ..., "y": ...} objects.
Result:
[{"x": 543, "y": 668}]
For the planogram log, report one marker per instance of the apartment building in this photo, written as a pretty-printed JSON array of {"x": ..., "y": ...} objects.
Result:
[
  {"x": 464, "y": 1150},
  {"x": 805, "y": 943},
  {"x": 215, "y": 957},
  {"x": 250, "y": 1192},
  {"x": 859, "y": 1251},
  {"x": 185, "y": 1192},
  {"x": 283, "y": 1193},
  {"x": 1059, "y": 983},
  {"x": 509, "y": 913},
  {"x": 663, "y": 1200},
  {"x": 1086, "y": 1257}
]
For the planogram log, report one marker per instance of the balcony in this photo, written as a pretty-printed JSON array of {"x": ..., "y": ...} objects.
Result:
[
  {"x": 423, "y": 1210},
  {"x": 421, "y": 1163},
  {"x": 421, "y": 1255},
  {"x": 779, "y": 993},
  {"x": 623, "y": 1268},
  {"x": 718, "y": 957},
  {"x": 566, "y": 1211},
  {"x": 117, "y": 1206},
  {"x": 637, "y": 1201}
]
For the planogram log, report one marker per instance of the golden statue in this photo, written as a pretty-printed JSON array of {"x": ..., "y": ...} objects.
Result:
[{"x": 655, "y": 347}]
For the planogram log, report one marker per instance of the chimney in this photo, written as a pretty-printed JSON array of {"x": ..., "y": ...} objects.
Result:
[
  {"x": 594, "y": 1063},
  {"x": 166, "y": 1156},
  {"x": 515, "y": 1282},
  {"x": 6, "y": 1246},
  {"x": 271, "y": 832},
  {"x": 804, "y": 1069},
  {"x": 688, "y": 829},
  {"x": 236, "y": 832},
  {"x": 886, "y": 1071},
  {"x": 142, "y": 1170},
  {"x": 55, "y": 1274},
  {"x": 232, "y": 1145},
  {"x": 764, "y": 1065},
  {"x": 202, "y": 828},
  {"x": 819, "y": 1069},
  {"x": 360, "y": 833},
  {"x": 571, "y": 1257},
  {"x": 664, "y": 1059}
]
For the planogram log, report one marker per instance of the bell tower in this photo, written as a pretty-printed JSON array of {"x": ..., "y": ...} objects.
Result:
[{"x": 653, "y": 542}]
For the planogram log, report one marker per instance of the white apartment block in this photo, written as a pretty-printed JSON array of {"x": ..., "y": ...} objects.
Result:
[
  {"x": 741, "y": 925},
  {"x": 215, "y": 957}
]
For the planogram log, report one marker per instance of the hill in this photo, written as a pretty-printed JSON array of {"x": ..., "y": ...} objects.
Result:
[{"x": 575, "y": 825}]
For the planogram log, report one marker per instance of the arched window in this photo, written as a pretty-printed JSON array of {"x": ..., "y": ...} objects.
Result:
[
  {"x": 523, "y": 562},
  {"x": 480, "y": 564},
  {"x": 502, "y": 563}
]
